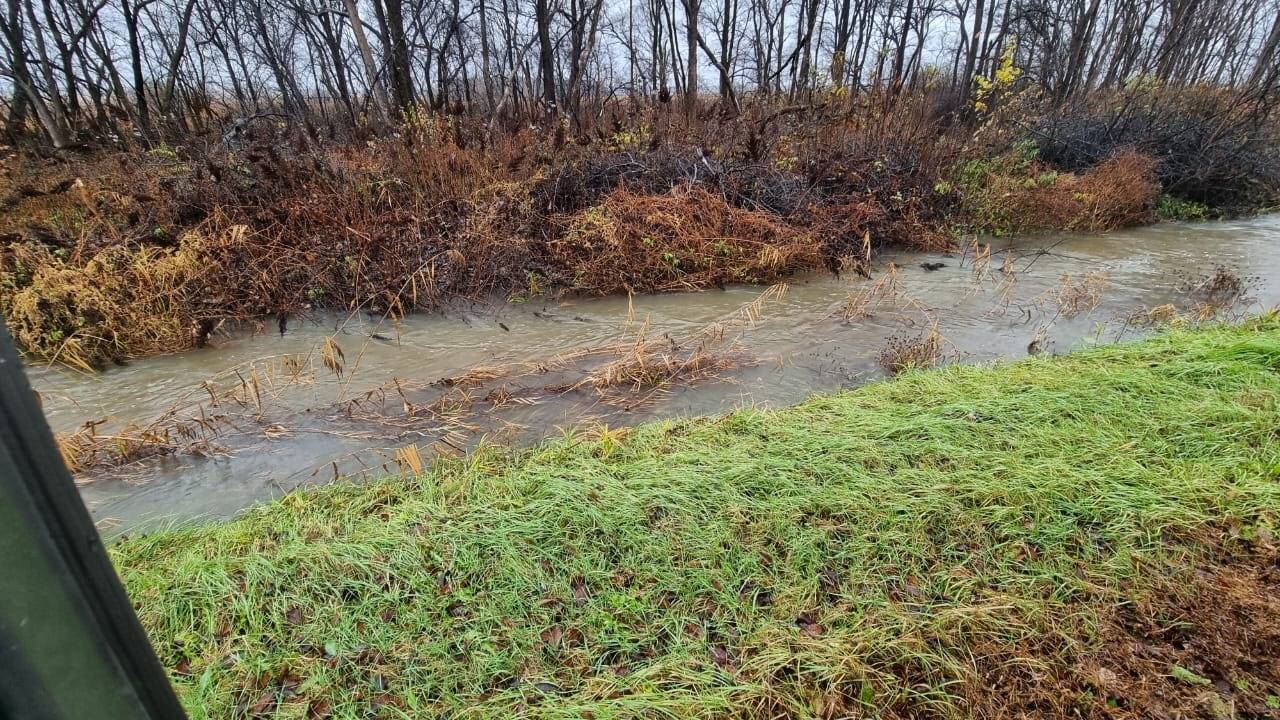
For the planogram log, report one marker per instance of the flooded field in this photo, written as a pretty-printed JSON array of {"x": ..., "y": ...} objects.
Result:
[{"x": 258, "y": 413}]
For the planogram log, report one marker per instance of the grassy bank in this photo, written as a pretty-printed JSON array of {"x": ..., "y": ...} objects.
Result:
[{"x": 1091, "y": 534}]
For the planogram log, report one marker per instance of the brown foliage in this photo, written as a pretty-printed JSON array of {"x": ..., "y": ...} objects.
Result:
[
  {"x": 685, "y": 239},
  {"x": 1118, "y": 193},
  {"x": 131, "y": 254},
  {"x": 1205, "y": 644}
]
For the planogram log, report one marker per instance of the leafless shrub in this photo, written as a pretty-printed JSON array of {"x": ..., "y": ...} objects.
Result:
[
  {"x": 1078, "y": 296},
  {"x": 918, "y": 351},
  {"x": 1222, "y": 288}
]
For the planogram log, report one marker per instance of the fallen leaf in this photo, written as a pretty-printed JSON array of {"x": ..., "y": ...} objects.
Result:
[
  {"x": 812, "y": 630},
  {"x": 319, "y": 710},
  {"x": 552, "y": 636},
  {"x": 265, "y": 704}
]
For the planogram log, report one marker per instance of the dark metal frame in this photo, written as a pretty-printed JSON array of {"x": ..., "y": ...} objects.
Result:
[{"x": 70, "y": 644}]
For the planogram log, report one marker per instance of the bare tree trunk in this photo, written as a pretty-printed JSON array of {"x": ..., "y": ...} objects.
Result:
[
  {"x": 380, "y": 101},
  {"x": 397, "y": 52},
  {"x": 175, "y": 62},
  {"x": 486, "y": 74},
  {"x": 546, "y": 61},
  {"x": 691, "y": 64}
]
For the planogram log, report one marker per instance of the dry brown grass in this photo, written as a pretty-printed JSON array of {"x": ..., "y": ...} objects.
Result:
[
  {"x": 118, "y": 303},
  {"x": 131, "y": 255},
  {"x": 256, "y": 399},
  {"x": 919, "y": 351},
  {"x": 236, "y": 401},
  {"x": 1078, "y": 296},
  {"x": 686, "y": 239},
  {"x": 1120, "y": 192},
  {"x": 863, "y": 302},
  {"x": 657, "y": 363}
]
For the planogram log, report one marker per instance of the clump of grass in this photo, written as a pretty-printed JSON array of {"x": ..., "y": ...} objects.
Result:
[
  {"x": 906, "y": 549},
  {"x": 904, "y": 351},
  {"x": 864, "y": 301},
  {"x": 1014, "y": 192},
  {"x": 653, "y": 364},
  {"x": 1152, "y": 316},
  {"x": 1079, "y": 296},
  {"x": 683, "y": 240},
  {"x": 1219, "y": 289},
  {"x": 117, "y": 303}
]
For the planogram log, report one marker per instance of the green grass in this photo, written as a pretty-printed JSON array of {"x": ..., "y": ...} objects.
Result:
[{"x": 875, "y": 550}]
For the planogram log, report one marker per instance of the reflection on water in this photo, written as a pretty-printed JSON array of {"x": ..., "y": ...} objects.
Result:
[{"x": 800, "y": 345}]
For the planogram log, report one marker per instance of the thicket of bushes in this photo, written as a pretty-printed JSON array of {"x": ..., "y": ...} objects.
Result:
[
  {"x": 115, "y": 256},
  {"x": 1211, "y": 147}
]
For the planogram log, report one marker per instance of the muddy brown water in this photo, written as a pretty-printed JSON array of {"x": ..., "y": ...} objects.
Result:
[{"x": 800, "y": 345}]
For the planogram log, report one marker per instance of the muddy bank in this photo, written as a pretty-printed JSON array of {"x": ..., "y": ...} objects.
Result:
[{"x": 822, "y": 334}]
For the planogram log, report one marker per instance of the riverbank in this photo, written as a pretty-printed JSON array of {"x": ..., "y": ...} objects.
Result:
[
  {"x": 127, "y": 254},
  {"x": 1090, "y": 533}
]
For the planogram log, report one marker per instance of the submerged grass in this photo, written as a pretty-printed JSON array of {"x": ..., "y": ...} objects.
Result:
[{"x": 884, "y": 552}]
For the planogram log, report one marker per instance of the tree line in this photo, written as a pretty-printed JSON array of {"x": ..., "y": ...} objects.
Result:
[{"x": 138, "y": 71}]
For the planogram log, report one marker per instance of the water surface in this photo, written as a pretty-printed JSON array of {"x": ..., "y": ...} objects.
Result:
[{"x": 801, "y": 343}]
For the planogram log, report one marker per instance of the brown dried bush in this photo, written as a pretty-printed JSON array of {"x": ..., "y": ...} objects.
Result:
[
  {"x": 1120, "y": 192},
  {"x": 686, "y": 239},
  {"x": 131, "y": 254},
  {"x": 112, "y": 274},
  {"x": 120, "y": 302}
]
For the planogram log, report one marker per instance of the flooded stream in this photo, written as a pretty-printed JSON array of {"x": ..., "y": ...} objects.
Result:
[{"x": 822, "y": 334}]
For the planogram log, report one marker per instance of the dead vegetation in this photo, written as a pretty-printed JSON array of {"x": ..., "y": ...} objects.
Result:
[
  {"x": 134, "y": 254},
  {"x": 685, "y": 239},
  {"x": 1204, "y": 645},
  {"x": 1078, "y": 296},
  {"x": 259, "y": 399},
  {"x": 1013, "y": 195},
  {"x": 1222, "y": 287},
  {"x": 248, "y": 400},
  {"x": 919, "y": 351}
]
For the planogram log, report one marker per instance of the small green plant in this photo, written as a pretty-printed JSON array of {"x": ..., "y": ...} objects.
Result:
[
  {"x": 535, "y": 283},
  {"x": 1184, "y": 675},
  {"x": 163, "y": 152},
  {"x": 1169, "y": 207}
]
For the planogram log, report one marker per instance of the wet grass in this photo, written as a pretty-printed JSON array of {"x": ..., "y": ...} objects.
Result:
[{"x": 891, "y": 551}]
